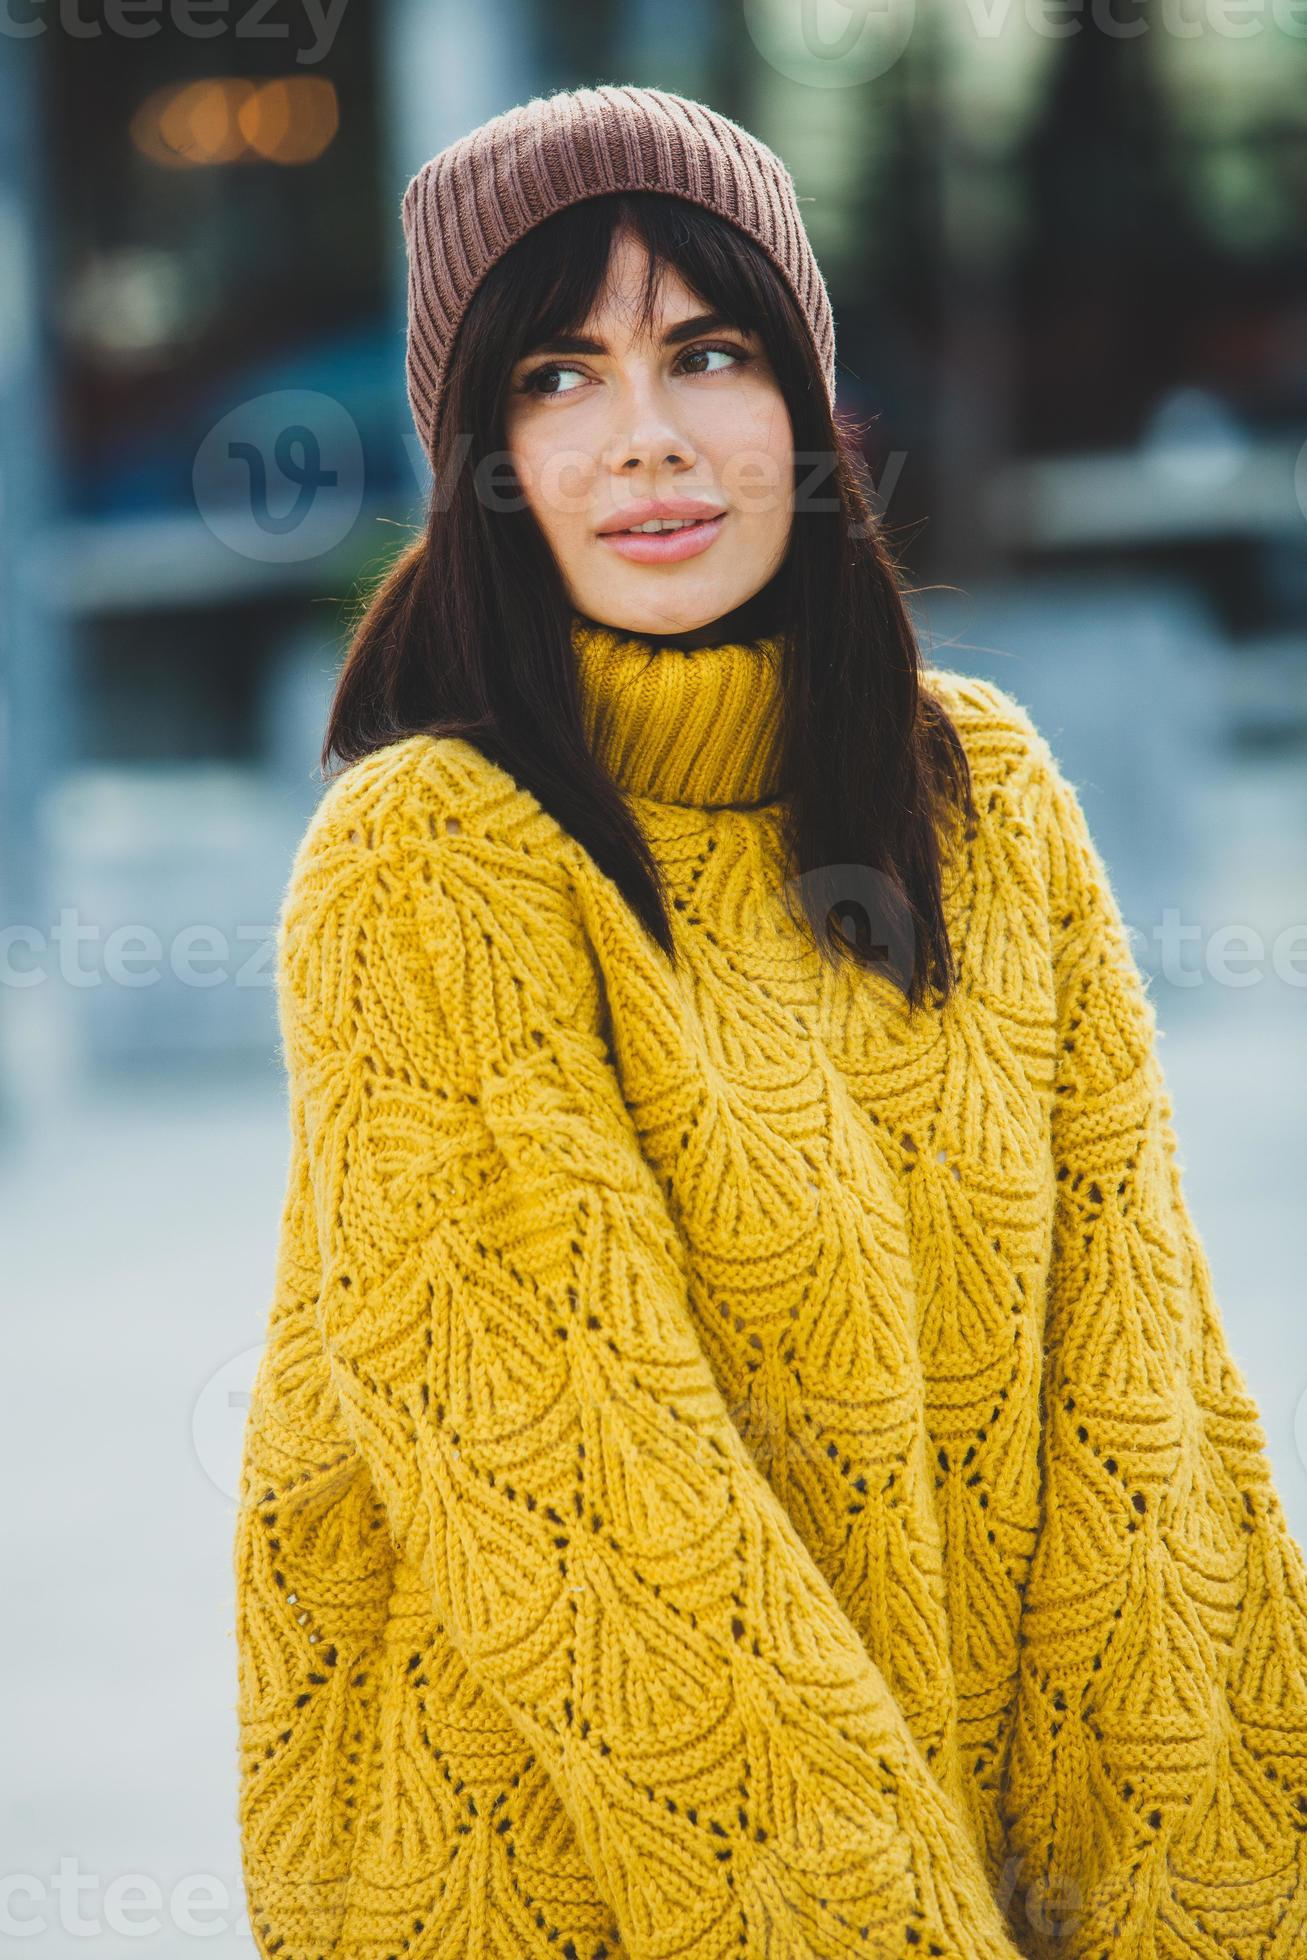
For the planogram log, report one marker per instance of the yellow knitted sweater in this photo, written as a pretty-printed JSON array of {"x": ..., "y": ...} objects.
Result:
[{"x": 738, "y": 1470}]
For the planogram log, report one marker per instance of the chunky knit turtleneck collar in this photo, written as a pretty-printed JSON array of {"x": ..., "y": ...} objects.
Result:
[{"x": 700, "y": 727}]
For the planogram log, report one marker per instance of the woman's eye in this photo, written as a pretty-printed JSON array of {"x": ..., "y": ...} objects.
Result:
[
  {"x": 534, "y": 381},
  {"x": 737, "y": 354},
  {"x": 540, "y": 380}
]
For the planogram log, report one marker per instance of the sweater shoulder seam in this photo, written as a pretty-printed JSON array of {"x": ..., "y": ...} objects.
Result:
[
  {"x": 426, "y": 785},
  {"x": 1006, "y": 749}
]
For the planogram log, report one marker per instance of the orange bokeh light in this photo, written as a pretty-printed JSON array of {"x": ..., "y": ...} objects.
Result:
[
  {"x": 228, "y": 119},
  {"x": 291, "y": 121}
]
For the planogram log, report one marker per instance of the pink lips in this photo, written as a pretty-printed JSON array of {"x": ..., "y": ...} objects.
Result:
[{"x": 665, "y": 547}]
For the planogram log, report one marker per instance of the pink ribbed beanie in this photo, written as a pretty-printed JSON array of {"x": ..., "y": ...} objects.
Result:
[{"x": 464, "y": 208}]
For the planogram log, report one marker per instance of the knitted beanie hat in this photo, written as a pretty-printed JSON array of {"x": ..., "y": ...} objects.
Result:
[{"x": 464, "y": 208}]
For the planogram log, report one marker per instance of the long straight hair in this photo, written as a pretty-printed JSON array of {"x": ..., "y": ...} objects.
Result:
[{"x": 468, "y": 631}]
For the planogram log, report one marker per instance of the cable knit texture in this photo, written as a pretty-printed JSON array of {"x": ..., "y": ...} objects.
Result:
[{"x": 737, "y": 1470}]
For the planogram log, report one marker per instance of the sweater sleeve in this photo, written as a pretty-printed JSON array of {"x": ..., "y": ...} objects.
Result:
[
  {"x": 504, "y": 1306},
  {"x": 1158, "y": 1783}
]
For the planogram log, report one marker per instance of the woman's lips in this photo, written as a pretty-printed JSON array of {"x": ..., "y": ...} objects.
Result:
[{"x": 664, "y": 547}]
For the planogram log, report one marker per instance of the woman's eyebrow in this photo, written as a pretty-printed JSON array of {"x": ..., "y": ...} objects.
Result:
[{"x": 683, "y": 330}]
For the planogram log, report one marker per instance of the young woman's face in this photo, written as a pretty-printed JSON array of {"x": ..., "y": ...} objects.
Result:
[{"x": 602, "y": 425}]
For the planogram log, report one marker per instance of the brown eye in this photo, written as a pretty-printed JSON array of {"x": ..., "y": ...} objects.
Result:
[
  {"x": 531, "y": 383},
  {"x": 737, "y": 354}
]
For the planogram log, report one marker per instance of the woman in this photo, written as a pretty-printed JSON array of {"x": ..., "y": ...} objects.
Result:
[{"x": 746, "y": 1458}]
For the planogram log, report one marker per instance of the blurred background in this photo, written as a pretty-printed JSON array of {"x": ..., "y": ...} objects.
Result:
[{"x": 1067, "y": 249}]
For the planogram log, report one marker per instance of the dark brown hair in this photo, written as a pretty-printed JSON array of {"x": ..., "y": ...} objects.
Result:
[{"x": 468, "y": 632}]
